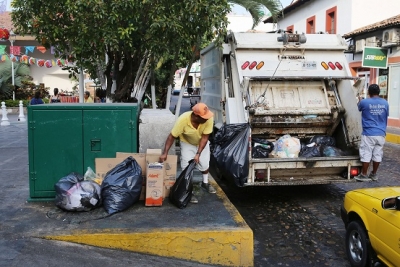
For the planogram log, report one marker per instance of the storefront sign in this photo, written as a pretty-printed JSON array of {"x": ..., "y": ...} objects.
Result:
[
  {"x": 382, "y": 82},
  {"x": 375, "y": 57}
]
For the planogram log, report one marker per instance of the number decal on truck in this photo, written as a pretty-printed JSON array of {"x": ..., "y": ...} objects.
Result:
[{"x": 309, "y": 65}]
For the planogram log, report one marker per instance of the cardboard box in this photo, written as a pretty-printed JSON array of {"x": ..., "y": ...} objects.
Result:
[
  {"x": 103, "y": 165},
  {"x": 154, "y": 184},
  {"x": 153, "y": 151},
  {"x": 170, "y": 168}
]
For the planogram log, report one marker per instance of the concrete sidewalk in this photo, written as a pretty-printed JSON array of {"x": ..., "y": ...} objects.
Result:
[{"x": 211, "y": 232}]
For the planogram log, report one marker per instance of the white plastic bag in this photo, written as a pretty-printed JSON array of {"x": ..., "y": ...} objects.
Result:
[
  {"x": 287, "y": 147},
  {"x": 89, "y": 174}
]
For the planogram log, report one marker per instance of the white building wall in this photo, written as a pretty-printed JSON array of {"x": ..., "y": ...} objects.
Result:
[
  {"x": 51, "y": 77},
  {"x": 351, "y": 14}
]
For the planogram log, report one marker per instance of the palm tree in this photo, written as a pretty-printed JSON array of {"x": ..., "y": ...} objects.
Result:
[{"x": 255, "y": 7}]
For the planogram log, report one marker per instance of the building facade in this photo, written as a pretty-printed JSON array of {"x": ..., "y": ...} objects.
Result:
[{"x": 384, "y": 38}]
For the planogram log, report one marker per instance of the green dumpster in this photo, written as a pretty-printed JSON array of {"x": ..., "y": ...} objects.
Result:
[{"x": 65, "y": 138}]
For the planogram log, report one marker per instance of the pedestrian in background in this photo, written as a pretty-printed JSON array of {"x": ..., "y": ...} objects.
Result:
[
  {"x": 37, "y": 99},
  {"x": 374, "y": 114},
  {"x": 193, "y": 129},
  {"x": 88, "y": 98},
  {"x": 56, "y": 97}
]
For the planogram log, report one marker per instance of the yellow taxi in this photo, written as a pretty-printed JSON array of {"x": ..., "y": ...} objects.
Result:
[{"x": 372, "y": 220}]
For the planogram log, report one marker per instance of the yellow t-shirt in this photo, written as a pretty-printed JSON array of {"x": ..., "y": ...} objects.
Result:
[
  {"x": 184, "y": 129},
  {"x": 89, "y": 100}
]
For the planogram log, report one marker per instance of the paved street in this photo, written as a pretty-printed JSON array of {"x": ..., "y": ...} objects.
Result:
[{"x": 301, "y": 225}]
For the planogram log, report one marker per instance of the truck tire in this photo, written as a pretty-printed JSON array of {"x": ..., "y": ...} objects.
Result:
[{"x": 358, "y": 248}]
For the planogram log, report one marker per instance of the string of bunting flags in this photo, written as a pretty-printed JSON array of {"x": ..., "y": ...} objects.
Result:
[{"x": 15, "y": 56}]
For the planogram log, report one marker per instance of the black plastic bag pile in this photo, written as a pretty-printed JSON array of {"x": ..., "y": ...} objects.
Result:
[
  {"x": 75, "y": 194},
  {"x": 181, "y": 191},
  {"x": 120, "y": 189},
  {"x": 321, "y": 146},
  {"x": 231, "y": 151}
]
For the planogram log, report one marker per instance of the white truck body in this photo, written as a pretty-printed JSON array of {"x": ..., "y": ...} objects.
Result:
[{"x": 278, "y": 84}]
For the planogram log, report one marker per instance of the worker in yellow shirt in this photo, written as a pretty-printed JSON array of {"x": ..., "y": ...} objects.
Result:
[{"x": 193, "y": 129}]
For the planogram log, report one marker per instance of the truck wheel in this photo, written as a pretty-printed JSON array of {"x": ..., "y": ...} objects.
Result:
[{"x": 358, "y": 249}]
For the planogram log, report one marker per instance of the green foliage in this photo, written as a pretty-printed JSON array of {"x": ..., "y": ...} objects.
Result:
[
  {"x": 84, "y": 31},
  {"x": 15, "y": 103},
  {"x": 255, "y": 8},
  {"x": 21, "y": 77}
]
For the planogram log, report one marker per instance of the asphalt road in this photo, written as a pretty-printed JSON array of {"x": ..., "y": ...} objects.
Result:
[{"x": 301, "y": 225}]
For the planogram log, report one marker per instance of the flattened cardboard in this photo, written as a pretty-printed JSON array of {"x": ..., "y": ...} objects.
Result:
[
  {"x": 103, "y": 165},
  {"x": 153, "y": 151}
]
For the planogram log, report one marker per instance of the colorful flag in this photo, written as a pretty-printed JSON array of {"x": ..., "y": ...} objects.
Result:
[
  {"x": 15, "y": 50},
  {"x": 41, "y": 49},
  {"x": 29, "y": 49}
]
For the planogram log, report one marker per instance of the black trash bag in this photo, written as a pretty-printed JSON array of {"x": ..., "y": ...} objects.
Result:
[
  {"x": 121, "y": 186},
  {"x": 309, "y": 152},
  {"x": 75, "y": 194},
  {"x": 181, "y": 192},
  {"x": 261, "y": 148},
  {"x": 231, "y": 151},
  {"x": 330, "y": 151},
  {"x": 323, "y": 140},
  {"x": 260, "y": 152}
]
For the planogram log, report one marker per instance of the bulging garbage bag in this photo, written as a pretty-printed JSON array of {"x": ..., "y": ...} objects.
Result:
[
  {"x": 231, "y": 151},
  {"x": 287, "y": 147},
  {"x": 330, "y": 151},
  {"x": 310, "y": 151},
  {"x": 323, "y": 140},
  {"x": 261, "y": 148},
  {"x": 181, "y": 192},
  {"x": 121, "y": 186},
  {"x": 75, "y": 194}
]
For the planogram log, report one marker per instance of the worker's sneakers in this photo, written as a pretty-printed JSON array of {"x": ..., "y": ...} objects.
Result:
[
  {"x": 209, "y": 188},
  {"x": 362, "y": 178},
  {"x": 373, "y": 176},
  {"x": 194, "y": 200}
]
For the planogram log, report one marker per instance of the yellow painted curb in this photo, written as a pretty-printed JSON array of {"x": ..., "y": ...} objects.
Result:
[
  {"x": 393, "y": 138},
  {"x": 231, "y": 246},
  {"x": 227, "y": 247}
]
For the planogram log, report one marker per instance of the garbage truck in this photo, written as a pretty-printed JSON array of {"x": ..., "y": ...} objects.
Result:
[{"x": 283, "y": 86}]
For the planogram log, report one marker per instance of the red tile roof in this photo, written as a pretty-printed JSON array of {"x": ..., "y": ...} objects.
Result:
[{"x": 387, "y": 23}]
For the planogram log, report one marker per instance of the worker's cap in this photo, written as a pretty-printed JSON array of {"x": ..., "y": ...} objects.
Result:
[{"x": 201, "y": 109}]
